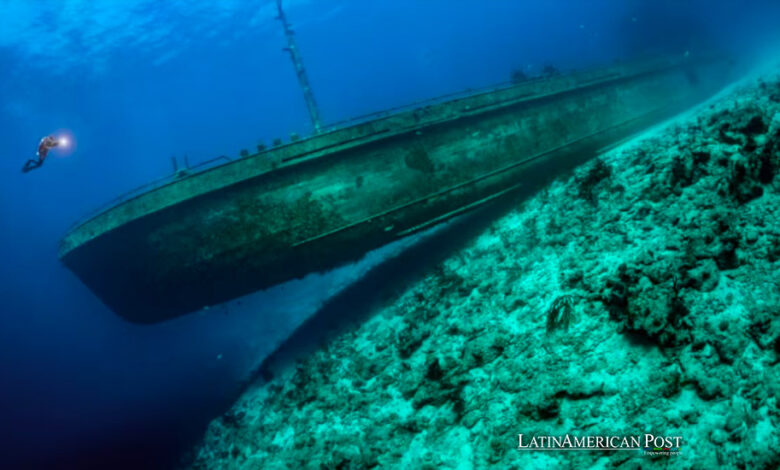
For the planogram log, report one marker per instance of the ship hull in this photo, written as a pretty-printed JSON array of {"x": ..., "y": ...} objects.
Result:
[{"x": 320, "y": 202}]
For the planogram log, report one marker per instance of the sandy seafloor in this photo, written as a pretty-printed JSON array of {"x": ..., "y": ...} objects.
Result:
[{"x": 664, "y": 257}]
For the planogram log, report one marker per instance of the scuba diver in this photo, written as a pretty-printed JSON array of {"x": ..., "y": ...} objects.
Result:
[{"x": 47, "y": 143}]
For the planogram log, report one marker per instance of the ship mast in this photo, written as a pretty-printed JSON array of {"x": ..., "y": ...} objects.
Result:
[{"x": 300, "y": 71}]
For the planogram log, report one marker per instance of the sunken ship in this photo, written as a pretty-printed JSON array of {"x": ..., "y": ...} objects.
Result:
[{"x": 207, "y": 236}]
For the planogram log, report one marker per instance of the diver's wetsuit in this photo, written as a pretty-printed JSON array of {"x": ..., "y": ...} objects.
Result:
[{"x": 47, "y": 143}]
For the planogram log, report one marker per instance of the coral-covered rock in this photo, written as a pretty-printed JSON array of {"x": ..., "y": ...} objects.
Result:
[{"x": 639, "y": 295}]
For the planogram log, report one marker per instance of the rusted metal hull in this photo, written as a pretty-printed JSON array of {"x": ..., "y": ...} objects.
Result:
[{"x": 314, "y": 204}]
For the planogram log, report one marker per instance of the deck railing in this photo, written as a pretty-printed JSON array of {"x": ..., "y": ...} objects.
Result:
[{"x": 334, "y": 127}]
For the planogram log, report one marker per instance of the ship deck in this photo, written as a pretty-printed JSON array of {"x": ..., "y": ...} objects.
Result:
[{"x": 309, "y": 205}]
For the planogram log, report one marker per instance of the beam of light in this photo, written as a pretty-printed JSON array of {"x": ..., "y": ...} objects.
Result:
[{"x": 66, "y": 141}]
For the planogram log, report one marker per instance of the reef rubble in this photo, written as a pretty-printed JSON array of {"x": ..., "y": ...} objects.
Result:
[{"x": 637, "y": 295}]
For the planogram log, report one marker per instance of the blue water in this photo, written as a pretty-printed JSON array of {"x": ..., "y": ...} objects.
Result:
[{"x": 137, "y": 82}]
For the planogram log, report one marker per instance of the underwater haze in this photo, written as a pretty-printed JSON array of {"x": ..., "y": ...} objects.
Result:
[{"x": 137, "y": 82}]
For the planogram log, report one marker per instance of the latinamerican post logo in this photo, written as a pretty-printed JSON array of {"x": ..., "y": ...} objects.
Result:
[{"x": 647, "y": 443}]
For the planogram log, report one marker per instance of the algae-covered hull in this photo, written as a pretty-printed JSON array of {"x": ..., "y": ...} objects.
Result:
[{"x": 325, "y": 200}]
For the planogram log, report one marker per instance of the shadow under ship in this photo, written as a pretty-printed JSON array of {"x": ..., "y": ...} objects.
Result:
[{"x": 321, "y": 201}]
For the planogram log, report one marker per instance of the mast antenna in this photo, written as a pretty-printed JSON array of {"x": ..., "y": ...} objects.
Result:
[{"x": 300, "y": 71}]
